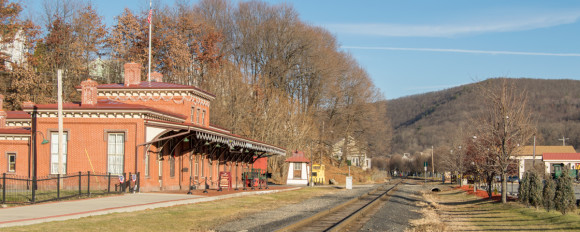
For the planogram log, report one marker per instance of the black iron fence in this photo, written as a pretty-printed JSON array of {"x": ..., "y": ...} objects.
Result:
[{"x": 24, "y": 190}]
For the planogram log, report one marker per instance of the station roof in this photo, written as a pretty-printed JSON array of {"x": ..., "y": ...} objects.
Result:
[
  {"x": 529, "y": 150},
  {"x": 103, "y": 105},
  {"x": 17, "y": 115},
  {"x": 150, "y": 85},
  {"x": 561, "y": 156}
]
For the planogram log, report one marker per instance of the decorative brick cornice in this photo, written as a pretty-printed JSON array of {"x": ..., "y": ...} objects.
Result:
[
  {"x": 109, "y": 114},
  {"x": 176, "y": 96}
]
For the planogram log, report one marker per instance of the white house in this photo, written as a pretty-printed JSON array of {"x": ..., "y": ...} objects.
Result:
[
  {"x": 355, "y": 153},
  {"x": 554, "y": 162},
  {"x": 525, "y": 156},
  {"x": 298, "y": 169},
  {"x": 14, "y": 50}
]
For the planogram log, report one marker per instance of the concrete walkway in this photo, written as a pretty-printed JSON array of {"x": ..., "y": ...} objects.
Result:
[{"x": 59, "y": 211}]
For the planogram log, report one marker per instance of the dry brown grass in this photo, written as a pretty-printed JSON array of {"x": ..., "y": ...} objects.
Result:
[
  {"x": 431, "y": 220},
  {"x": 454, "y": 210}
]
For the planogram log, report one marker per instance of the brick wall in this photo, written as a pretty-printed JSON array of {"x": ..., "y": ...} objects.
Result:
[
  {"x": 89, "y": 136},
  {"x": 20, "y": 148}
]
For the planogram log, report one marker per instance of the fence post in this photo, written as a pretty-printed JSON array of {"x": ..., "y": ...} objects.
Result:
[
  {"x": 58, "y": 187},
  {"x": 109, "y": 184},
  {"x": 80, "y": 184},
  {"x": 3, "y": 188},
  {"x": 89, "y": 183},
  {"x": 124, "y": 185},
  {"x": 34, "y": 184},
  {"x": 129, "y": 180}
]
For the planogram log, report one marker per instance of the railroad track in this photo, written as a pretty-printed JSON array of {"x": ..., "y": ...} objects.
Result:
[{"x": 339, "y": 217}]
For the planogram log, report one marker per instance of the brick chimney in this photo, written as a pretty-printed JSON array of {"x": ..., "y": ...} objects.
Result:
[
  {"x": 2, "y": 112},
  {"x": 157, "y": 77},
  {"x": 132, "y": 74},
  {"x": 28, "y": 105},
  {"x": 89, "y": 92}
]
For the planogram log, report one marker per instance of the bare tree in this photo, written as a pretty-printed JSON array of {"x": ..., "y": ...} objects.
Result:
[{"x": 504, "y": 126}]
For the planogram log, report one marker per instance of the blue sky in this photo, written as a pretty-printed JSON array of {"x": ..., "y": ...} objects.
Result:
[{"x": 412, "y": 47}]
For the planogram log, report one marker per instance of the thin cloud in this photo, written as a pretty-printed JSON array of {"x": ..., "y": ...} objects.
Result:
[
  {"x": 431, "y": 87},
  {"x": 466, "y": 51},
  {"x": 506, "y": 25}
]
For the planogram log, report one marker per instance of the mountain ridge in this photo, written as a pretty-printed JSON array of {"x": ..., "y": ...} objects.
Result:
[{"x": 434, "y": 118}]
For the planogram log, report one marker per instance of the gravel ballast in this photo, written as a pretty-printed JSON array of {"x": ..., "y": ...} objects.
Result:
[
  {"x": 277, "y": 218},
  {"x": 396, "y": 213}
]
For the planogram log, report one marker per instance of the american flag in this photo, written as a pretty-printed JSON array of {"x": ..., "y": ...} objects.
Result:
[{"x": 149, "y": 17}]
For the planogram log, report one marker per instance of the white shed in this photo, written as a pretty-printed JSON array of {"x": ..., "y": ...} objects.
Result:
[{"x": 298, "y": 169}]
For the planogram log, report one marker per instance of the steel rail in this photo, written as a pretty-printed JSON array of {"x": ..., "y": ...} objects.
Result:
[{"x": 344, "y": 221}]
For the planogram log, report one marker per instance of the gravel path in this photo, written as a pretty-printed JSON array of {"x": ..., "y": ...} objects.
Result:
[
  {"x": 396, "y": 213},
  {"x": 283, "y": 216}
]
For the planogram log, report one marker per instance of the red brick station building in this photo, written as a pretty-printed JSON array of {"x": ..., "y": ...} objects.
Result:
[{"x": 159, "y": 130}]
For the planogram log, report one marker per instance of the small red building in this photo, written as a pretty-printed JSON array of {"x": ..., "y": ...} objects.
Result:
[
  {"x": 298, "y": 169},
  {"x": 160, "y": 130}
]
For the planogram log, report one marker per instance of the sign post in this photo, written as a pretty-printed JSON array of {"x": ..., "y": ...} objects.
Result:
[{"x": 425, "y": 164}]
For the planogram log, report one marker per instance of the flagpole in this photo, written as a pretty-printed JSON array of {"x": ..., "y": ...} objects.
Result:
[{"x": 150, "y": 24}]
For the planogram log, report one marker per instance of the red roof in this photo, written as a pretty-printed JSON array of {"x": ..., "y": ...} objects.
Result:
[
  {"x": 17, "y": 115},
  {"x": 107, "y": 105},
  {"x": 221, "y": 130},
  {"x": 150, "y": 85},
  {"x": 561, "y": 156},
  {"x": 298, "y": 157},
  {"x": 14, "y": 130}
]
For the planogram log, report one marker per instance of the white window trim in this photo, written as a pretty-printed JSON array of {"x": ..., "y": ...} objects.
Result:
[
  {"x": 123, "y": 144},
  {"x": 8, "y": 154},
  {"x": 197, "y": 115},
  {"x": 297, "y": 166},
  {"x": 66, "y": 135}
]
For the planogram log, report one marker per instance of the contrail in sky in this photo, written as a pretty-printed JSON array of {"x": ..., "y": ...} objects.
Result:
[{"x": 465, "y": 51}]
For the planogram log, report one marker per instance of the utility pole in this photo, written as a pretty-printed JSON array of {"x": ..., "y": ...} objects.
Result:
[
  {"x": 563, "y": 140},
  {"x": 432, "y": 163},
  {"x": 534, "y": 159},
  {"x": 60, "y": 126}
]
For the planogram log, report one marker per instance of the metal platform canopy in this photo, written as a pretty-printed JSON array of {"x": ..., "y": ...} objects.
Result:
[{"x": 216, "y": 143}]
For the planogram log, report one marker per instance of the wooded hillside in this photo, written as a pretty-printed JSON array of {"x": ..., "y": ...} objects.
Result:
[
  {"x": 432, "y": 119},
  {"x": 276, "y": 78}
]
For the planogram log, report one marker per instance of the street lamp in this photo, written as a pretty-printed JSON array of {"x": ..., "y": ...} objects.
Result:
[
  {"x": 44, "y": 141},
  {"x": 35, "y": 158}
]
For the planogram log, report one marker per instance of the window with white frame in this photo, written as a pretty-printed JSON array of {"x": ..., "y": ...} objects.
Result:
[
  {"x": 11, "y": 162},
  {"x": 192, "y": 113},
  {"x": 202, "y": 167},
  {"x": 197, "y": 115},
  {"x": 196, "y": 165},
  {"x": 54, "y": 152},
  {"x": 116, "y": 153},
  {"x": 210, "y": 168},
  {"x": 297, "y": 166},
  {"x": 147, "y": 164},
  {"x": 203, "y": 117},
  {"x": 171, "y": 166}
]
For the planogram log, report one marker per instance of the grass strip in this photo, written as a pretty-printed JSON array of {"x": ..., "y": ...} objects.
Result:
[
  {"x": 486, "y": 215},
  {"x": 193, "y": 217}
]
